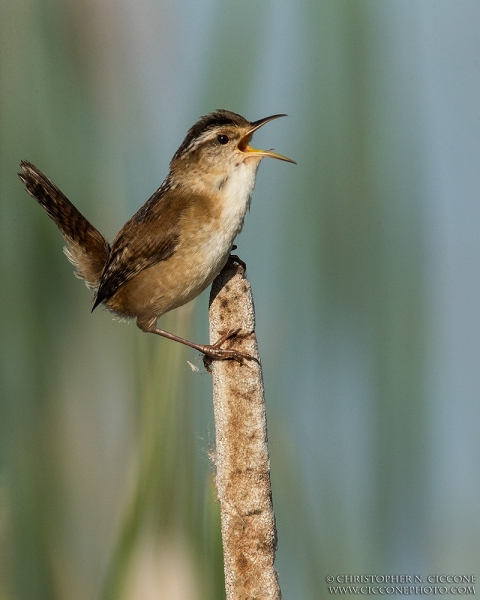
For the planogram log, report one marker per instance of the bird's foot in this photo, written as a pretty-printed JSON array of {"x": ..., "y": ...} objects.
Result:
[
  {"x": 211, "y": 352},
  {"x": 235, "y": 262},
  {"x": 215, "y": 352}
]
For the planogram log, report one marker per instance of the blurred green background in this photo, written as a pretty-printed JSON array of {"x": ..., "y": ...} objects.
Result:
[{"x": 364, "y": 261}]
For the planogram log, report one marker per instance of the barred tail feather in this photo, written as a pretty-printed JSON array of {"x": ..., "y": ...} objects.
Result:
[{"x": 87, "y": 249}]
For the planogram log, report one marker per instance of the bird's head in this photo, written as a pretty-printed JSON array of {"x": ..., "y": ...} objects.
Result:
[{"x": 218, "y": 145}]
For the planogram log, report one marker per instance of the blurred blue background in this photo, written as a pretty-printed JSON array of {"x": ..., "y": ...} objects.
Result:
[{"x": 364, "y": 261}]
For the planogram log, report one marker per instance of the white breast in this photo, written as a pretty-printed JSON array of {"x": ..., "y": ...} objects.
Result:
[
  {"x": 235, "y": 196},
  {"x": 214, "y": 240}
]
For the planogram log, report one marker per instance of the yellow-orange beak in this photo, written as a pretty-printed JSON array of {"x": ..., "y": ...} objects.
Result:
[{"x": 244, "y": 147}]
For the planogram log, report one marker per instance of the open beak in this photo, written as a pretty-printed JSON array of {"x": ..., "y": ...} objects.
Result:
[{"x": 244, "y": 147}]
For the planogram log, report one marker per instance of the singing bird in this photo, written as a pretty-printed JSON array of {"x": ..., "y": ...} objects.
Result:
[{"x": 180, "y": 239}]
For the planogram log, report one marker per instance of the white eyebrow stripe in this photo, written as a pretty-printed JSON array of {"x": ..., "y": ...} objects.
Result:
[{"x": 206, "y": 136}]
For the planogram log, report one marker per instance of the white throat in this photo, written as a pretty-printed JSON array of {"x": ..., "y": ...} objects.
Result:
[{"x": 236, "y": 193}]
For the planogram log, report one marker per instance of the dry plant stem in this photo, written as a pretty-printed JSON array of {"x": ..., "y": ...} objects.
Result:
[{"x": 241, "y": 457}]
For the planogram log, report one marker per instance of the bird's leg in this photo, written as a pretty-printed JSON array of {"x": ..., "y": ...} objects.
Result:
[{"x": 210, "y": 351}]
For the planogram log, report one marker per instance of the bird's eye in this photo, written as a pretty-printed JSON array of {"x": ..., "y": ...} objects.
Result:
[{"x": 222, "y": 139}]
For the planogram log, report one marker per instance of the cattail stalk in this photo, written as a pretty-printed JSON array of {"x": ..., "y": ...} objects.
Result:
[{"x": 241, "y": 455}]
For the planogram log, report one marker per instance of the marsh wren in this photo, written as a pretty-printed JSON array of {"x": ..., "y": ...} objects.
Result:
[{"x": 177, "y": 243}]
